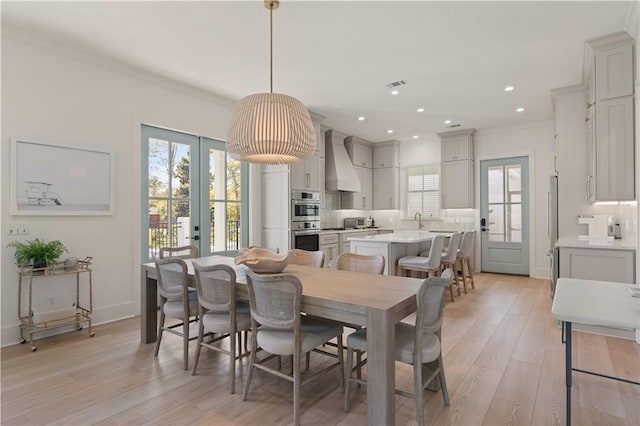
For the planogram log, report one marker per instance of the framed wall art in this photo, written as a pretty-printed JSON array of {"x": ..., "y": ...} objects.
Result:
[{"x": 60, "y": 180}]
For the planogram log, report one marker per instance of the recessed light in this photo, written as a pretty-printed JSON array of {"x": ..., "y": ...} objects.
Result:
[
  {"x": 394, "y": 92},
  {"x": 361, "y": 118},
  {"x": 519, "y": 109},
  {"x": 415, "y": 136},
  {"x": 389, "y": 131},
  {"x": 509, "y": 88},
  {"x": 420, "y": 110},
  {"x": 447, "y": 121}
]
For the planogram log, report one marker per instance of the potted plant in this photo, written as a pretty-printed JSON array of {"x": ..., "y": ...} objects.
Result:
[{"x": 37, "y": 253}]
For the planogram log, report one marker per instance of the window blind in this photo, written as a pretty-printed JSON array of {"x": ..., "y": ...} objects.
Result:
[{"x": 423, "y": 190}]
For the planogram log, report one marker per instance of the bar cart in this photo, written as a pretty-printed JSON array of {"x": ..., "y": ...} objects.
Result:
[{"x": 82, "y": 313}]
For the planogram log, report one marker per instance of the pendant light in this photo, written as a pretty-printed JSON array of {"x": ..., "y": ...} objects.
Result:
[{"x": 270, "y": 128}]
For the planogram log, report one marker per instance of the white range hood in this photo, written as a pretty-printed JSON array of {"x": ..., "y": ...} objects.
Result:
[{"x": 339, "y": 172}]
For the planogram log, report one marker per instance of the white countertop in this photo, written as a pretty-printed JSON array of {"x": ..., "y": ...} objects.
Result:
[
  {"x": 596, "y": 303},
  {"x": 576, "y": 242},
  {"x": 348, "y": 231},
  {"x": 404, "y": 237}
]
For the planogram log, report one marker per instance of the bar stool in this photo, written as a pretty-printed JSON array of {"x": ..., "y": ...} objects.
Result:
[
  {"x": 449, "y": 257},
  {"x": 463, "y": 262},
  {"x": 429, "y": 265}
]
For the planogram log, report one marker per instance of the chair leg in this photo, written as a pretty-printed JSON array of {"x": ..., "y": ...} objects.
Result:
[
  {"x": 252, "y": 361},
  {"x": 198, "y": 348},
  {"x": 443, "y": 381},
  {"x": 348, "y": 372},
  {"x": 232, "y": 360},
  {"x": 473, "y": 286},
  {"x": 418, "y": 393},
  {"x": 340, "y": 361},
  {"x": 296, "y": 389},
  {"x": 451, "y": 291},
  {"x": 160, "y": 328}
]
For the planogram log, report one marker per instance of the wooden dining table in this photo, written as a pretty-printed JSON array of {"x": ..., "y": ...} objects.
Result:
[{"x": 375, "y": 301}]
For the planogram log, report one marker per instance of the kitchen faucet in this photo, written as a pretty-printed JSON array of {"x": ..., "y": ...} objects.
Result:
[{"x": 418, "y": 217}]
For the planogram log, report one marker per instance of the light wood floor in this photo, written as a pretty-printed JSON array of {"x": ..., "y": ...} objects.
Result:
[{"x": 503, "y": 358}]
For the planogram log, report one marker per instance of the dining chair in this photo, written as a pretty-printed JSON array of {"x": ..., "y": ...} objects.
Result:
[
  {"x": 423, "y": 265},
  {"x": 448, "y": 259},
  {"x": 305, "y": 257},
  {"x": 463, "y": 260},
  {"x": 176, "y": 301},
  {"x": 418, "y": 345},
  {"x": 221, "y": 316},
  {"x": 184, "y": 252},
  {"x": 278, "y": 328},
  {"x": 373, "y": 264}
]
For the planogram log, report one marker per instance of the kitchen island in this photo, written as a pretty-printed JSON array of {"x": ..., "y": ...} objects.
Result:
[{"x": 394, "y": 246}]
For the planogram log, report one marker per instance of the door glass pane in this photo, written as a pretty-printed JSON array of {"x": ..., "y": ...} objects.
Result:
[
  {"x": 514, "y": 188},
  {"x": 181, "y": 176},
  {"x": 216, "y": 174},
  {"x": 495, "y": 175},
  {"x": 158, "y": 168},
  {"x": 514, "y": 234},
  {"x": 233, "y": 179},
  {"x": 218, "y": 226},
  {"x": 496, "y": 222},
  {"x": 180, "y": 230},
  {"x": 158, "y": 235},
  {"x": 233, "y": 226}
]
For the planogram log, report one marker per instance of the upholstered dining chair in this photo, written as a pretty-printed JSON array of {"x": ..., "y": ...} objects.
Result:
[
  {"x": 463, "y": 260},
  {"x": 184, "y": 252},
  {"x": 448, "y": 259},
  {"x": 220, "y": 314},
  {"x": 428, "y": 265},
  {"x": 278, "y": 328},
  {"x": 373, "y": 264},
  {"x": 305, "y": 257},
  {"x": 418, "y": 345},
  {"x": 176, "y": 301}
]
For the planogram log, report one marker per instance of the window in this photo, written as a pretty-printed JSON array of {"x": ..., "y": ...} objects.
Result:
[{"x": 423, "y": 190}]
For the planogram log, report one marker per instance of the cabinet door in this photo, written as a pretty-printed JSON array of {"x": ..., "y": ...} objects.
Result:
[
  {"x": 456, "y": 148},
  {"x": 386, "y": 188},
  {"x": 362, "y": 155},
  {"x": 598, "y": 264},
  {"x": 590, "y": 122},
  {"x": 457, "y": 190},
  {"x": 330, "y": 254},
  {"x": 366, "y": 182},
  {"x": 385, "y": 156},
  {"x": 298, "y": 175},
  {"x": 615, "y": 150},
  {"x": 313, "y": 171},
  {"x": 614, "y": 77}
]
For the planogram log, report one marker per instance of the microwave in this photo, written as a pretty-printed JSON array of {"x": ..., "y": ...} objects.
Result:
[{"x": 355, "y": 222}]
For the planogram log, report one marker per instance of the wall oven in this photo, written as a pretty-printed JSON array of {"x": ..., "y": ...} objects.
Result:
[
  {"x": 305, "y": 206},
  {"x": 306, "y": 240}
]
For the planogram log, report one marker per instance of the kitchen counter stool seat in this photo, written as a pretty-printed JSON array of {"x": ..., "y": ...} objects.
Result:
[{"x": 423, "y": 265}]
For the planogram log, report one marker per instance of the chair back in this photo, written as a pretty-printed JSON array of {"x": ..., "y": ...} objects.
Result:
[
  {"x": 184, "y": 252},
  {"x": 275, "y": 300},
  {"x": 467, "y": 244},
  {"x": 430, "y": 302},
  {"x": 452, "y": 251},
  {"x": 435, "y": 252},
  {"x": 216, "y": 287},
  {"x": 373, "y": 264},
  {"x": 305, "y": 257},
  {"x": 172, "y": 278}
]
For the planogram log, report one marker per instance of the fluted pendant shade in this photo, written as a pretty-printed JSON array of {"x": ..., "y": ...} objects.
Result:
[{"x": 270, "y": 128}]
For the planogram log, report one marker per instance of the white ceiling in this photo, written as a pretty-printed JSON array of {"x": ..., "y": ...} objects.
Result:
[{"x": 338, "y": 56}]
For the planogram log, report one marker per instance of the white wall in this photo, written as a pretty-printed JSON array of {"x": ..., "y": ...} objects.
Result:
[{"x": 52, "y": 96}]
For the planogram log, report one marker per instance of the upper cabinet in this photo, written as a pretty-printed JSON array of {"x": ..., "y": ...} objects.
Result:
[
  {"x": 386, "y": 154},
  {"x": 360, "y": 151},
  {"x": 308, "y": 175},
  {"x": 457, "y": 169},
  {"x": 610, "y": 119}
]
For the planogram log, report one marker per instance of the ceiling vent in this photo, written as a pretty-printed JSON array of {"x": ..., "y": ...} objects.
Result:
[
  {"x": 398, "y": 83},
  {"x": 453, "y": 125}
]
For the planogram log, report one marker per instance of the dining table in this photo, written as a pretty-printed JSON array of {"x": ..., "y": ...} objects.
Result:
[{"x": 374, "y": 301}]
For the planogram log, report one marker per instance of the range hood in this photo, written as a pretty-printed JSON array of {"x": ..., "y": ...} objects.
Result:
[{"x": 339, "y": 172}]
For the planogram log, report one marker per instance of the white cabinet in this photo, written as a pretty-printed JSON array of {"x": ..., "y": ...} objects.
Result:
[
  {"x": 329, "y": 246},
  {"x": 345, "y": 244},
  {"x": 386, "y": 154},
  {"x": 597, "y": 264},
  {"x": 305, "y": 174},
  {"x": 610, "y": 120},
  {"x": 457, "y": 169},
  {"x": 359, "y": 151},
  {"x": 386, "y": 184},
  {"x": 362, "y": 200}
]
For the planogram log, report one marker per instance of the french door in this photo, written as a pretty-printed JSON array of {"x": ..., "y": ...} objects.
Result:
[
  {"x": 193, "y": 194},
  {"x": 504, "y": 215}
]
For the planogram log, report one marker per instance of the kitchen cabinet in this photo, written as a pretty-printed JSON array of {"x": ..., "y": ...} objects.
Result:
[
  {"x": 362, "y": 200},
  {"x": 457, "y": 169},
  {"x": 387, "y": 188},
  {"x": 345, "y": 244},
  {"x": 610, "y": 119},
  {"x": 305, "y": 175},
  {"x": 360, "y": 151},
  {"x": 386, "y": 154},
  {"x": 330, "y": 248}
]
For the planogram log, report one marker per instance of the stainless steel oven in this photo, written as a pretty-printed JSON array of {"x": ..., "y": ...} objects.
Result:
[
  {"x": 306, "y": 240},
  {"x": 305, "y": 206}
]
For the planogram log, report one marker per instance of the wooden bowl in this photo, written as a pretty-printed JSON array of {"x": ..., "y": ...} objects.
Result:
[{"x": 262, "y": 260}]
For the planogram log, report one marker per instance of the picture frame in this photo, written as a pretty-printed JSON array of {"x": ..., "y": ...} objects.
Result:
[{"x": 50, "y": 180}]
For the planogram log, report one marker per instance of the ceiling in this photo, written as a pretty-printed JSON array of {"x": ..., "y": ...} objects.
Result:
[{"x": 337, "y": 57}]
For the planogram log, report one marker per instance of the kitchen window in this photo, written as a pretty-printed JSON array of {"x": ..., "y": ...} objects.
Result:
[{"x": 423, "y": 191}]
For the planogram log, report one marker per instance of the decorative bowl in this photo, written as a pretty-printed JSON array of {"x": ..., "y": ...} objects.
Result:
[{"x": 261, "y": 260}]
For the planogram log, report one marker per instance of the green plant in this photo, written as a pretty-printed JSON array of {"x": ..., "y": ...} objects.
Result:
[{"x": 37, "y": 251}]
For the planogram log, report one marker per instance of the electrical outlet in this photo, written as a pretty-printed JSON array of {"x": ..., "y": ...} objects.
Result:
[
  {"x": 12, "y": 229},
  {"x": 22, "y": 228}
]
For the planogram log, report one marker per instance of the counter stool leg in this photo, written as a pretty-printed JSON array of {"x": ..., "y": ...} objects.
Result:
[{"x": 568, "y": 368}]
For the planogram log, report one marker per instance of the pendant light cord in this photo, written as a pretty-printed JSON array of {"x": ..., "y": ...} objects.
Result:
[{"x": 271, "y": 50}]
